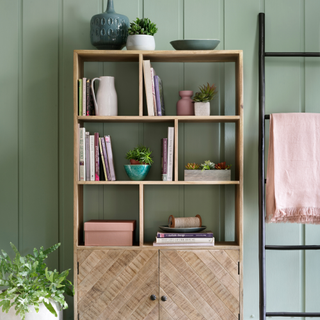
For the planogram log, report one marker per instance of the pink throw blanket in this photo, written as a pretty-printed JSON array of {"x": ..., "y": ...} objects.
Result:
[{"x": 293, "y": 170}]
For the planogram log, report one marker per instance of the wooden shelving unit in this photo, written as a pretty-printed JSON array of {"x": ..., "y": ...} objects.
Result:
[{"x": 106, "y": 285}]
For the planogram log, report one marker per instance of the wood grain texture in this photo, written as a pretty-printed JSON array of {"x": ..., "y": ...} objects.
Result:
[
  {"x": 197, "y": 285},
  {"x": 117, "y": 284}
]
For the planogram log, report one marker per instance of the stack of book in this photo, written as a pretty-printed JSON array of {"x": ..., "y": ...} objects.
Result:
[
  {"x": 199, "y": 239},
  {"x": 85, "y": 98},
  {"x": 154, "y": 90},
  {"x": 95, "y": 157}
]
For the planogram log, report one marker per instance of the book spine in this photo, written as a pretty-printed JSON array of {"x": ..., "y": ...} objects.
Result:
[
  {"x": 187, "y": 244},
  {"x": 184, "y": 235},
  {"x": 89, "y": 99},
  {"x": 102, "y": 159},
  {"x": 161, "y": 97},
  {"x": 164, "y": 158},
  {"x": 92, "y": 160},
  {"x": 110, "y": 157},
  {"x": 157, "y": 94},
  {"x": 152, "y": 71},
  {"x": 80, "y": 97},
  {"x": 82, "y": 152},
  {"x": 186, "y": 240},
  {"x": 170, "y": 153},
  {"x": 148, "y": 86},
  {"x": 84, "y": 96},
  {"x": 87, "y": 155},
  {"x": 105, "y": 155},
  {"x": 96, "y": 156}
]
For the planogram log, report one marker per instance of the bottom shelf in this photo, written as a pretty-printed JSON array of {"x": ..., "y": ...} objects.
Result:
[{"x": 149, "y": 246}]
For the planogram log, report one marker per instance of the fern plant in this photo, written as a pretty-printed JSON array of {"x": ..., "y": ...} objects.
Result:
[
  {"x": 141, "y": 154},
  {"x": 28, "y": 282},
  {"x": 206, "y": 93},
  {"x": 142, "y": 26}
]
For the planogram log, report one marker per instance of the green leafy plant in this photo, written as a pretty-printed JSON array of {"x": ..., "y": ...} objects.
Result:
[
  {"x": 222, "y": 166},
  {"x": 192, "y": 166},
  {"x": 142, "y": 26},
  {"x": 141, "y": 154},
  {"x": 207, "y": 165},
  {"x": 28, "y": 282},
  {"x": 205, "y": 94}
]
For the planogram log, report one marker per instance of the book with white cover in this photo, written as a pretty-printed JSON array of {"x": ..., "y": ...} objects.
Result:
[
  {"x": 148, "y": 86},
  {"x": 185, "y": 240},
  {"x": 170, "y": 153},
  {"x": 92, "y": 160},
  {"x": 82, "y": 153}
]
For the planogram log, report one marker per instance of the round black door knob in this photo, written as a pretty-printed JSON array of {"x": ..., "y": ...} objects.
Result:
[
  {"x": 153, "y": 297},
  {"x": 164, "y": 298}
]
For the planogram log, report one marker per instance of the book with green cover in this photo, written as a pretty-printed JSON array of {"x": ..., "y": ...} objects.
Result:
[{"x": 80, "y": 89}]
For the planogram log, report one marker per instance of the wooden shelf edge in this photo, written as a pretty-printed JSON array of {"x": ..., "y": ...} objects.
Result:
[
  {"x": 183, "y": 119},
  {"x": 149, "y": 246},
  {"x": 156, "y": 182}
]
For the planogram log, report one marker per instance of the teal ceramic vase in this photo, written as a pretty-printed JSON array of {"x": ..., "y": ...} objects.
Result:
[
  {"x": 109, "y": 30},
  {"x": 137, "y": 172}
]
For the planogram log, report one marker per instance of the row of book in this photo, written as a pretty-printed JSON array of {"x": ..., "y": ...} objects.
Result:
[
  {"x": 167, "y": 147},
  {"x": 95, "y": 157},
  {"x": 198, "y": 239},
  {"x": 85, "y": 98},
  {"x": 154, "y": 90}
]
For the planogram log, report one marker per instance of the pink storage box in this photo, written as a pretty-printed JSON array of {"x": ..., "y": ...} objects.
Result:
[{"x": 109, "y": 232}]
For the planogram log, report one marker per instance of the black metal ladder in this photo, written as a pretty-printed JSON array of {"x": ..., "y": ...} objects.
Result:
[{"x": 262, "y": 232}]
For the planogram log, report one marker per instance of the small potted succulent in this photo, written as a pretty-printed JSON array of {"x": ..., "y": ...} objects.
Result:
[
  {"x": 141, "y": 35},
  {"x": 31, "y": 291},
  {"x": 207, "y": 171},
  {"x": 202, "y": 99},
  {"x": 140, "y": 162}
]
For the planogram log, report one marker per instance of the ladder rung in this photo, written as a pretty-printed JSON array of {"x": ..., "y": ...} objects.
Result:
[
  {"x": 292, "y": 314},
  {"x": 292, "y": 54},
  {"x": 292, "y": 247}
]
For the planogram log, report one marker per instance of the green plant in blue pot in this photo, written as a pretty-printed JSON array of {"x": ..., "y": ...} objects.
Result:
[
  {"x": 109, "y": 30},
  {"x": 140, "y": 163}
]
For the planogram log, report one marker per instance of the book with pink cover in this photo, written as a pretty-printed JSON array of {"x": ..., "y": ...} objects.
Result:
[{"x": 110, "y": 157}]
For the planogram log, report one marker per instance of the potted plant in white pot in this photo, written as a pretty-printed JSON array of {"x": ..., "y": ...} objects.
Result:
[
  {"x": 141, "y": 35},
  {"x": 32, "y": 292},
  {"x": 202, "y": 99},
  {"x": 207, "y": 171}
]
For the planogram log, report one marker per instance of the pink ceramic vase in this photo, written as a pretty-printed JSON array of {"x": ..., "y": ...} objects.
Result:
[{"x": 185, "y": 106}]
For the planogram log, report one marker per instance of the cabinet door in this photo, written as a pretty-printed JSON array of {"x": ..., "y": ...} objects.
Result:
[
  {"x": 199, "y": 284},
  {"x": 117, "y": 284}
]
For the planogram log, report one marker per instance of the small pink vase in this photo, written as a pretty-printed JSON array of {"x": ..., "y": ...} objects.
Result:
[{"x": 185, "y": 105}]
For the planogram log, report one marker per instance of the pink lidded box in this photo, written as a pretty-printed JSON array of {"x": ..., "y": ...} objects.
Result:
[{"x": 109, "y": 232}]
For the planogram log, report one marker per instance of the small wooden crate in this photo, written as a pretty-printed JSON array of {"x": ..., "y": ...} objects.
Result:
[{"x": 207, "y": 175}]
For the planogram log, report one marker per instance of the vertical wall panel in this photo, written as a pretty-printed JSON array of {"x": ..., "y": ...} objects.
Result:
[
  {"x": 38, "y": 138},
  {"x": 283, "y": 77},
  {"x": 241, "y": 33},
  {"x": 312, "y": 104},
  {"x": 9, "y": 92}
]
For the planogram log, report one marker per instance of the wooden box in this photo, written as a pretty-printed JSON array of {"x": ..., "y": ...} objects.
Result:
[
  {"x": 207, "y": 175},
  {"x": 109, "y": 232}
]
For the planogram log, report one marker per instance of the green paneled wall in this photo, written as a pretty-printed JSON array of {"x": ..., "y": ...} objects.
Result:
[{"x": 36, "y": 62}]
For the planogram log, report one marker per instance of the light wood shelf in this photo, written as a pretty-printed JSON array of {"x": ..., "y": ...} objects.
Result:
[{"x": 223, "y": 258}]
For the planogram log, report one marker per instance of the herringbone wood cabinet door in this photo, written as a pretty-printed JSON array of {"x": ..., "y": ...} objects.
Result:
[
  {"x": 117, "y": 284},
  {"x": 199, "y": 284}
]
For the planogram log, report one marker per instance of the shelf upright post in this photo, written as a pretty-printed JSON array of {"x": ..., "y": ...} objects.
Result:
[{"x": 262, "y": 265}]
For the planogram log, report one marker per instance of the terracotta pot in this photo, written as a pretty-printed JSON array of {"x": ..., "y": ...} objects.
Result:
[{"x": 132, "y": 161}]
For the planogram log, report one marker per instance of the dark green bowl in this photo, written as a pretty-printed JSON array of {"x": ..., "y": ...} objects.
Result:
[{"x": 195, "y": 44}]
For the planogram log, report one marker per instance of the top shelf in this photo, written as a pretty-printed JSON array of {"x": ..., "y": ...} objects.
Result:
[{"x": 159, "y": 55}]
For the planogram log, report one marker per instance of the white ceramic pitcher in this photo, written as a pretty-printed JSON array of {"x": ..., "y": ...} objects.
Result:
[{"x": 106, "y": 103}]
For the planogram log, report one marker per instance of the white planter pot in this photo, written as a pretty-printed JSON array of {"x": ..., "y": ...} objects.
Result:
[
  {"x": 207, "y": 175},
  {"x": 140, "y": 42},
  {"x": 43, "y": 314},
  {"x": 202, "y": 108}
]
